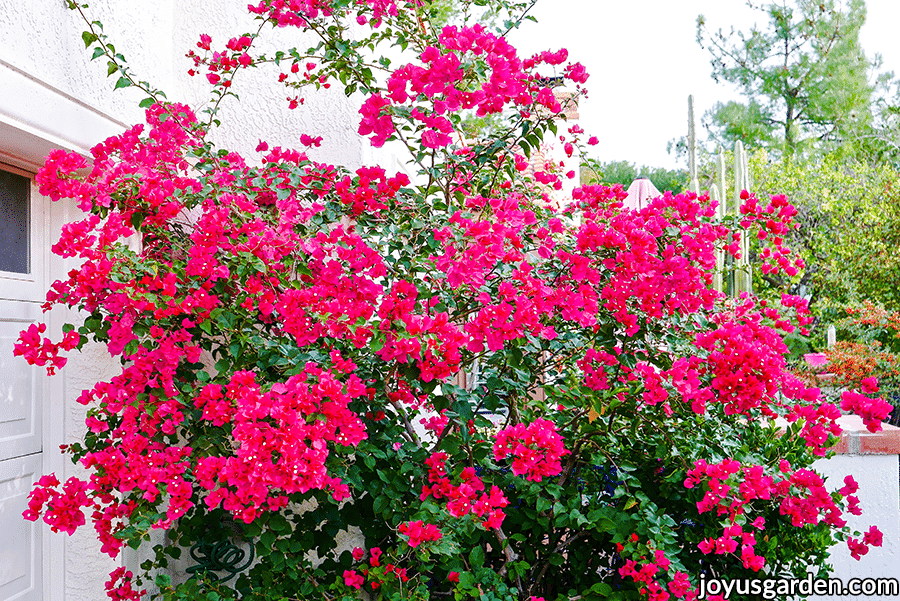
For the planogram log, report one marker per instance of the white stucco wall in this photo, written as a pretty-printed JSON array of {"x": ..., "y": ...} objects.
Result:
[
  {"x": 41, "y": 40},
  {"x": 879, "y": 495}
]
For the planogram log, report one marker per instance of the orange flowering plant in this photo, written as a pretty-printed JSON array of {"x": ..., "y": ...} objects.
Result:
[{"x": 868, "y": 347}]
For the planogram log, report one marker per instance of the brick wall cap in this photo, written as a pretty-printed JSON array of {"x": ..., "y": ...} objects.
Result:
[{"x": 857, "y": 440}]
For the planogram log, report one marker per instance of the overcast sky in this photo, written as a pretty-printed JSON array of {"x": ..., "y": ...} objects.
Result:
[{"x": 644, "y": 61}]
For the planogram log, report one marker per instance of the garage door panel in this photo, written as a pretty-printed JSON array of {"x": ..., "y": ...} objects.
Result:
[
  {"x": 20, "y": 549},
  {"x": 24, "y": 389},
  {"x": 20, "y": 385}
]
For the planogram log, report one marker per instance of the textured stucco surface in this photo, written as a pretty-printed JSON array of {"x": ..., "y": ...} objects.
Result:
[
  {"x": 86, "y": 568},
  {"x": 878, "y": 494},
  {"x": 43, "y": 39}
]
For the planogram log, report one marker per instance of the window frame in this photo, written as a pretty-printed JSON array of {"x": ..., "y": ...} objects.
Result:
[{"x": 29, "y": 286}]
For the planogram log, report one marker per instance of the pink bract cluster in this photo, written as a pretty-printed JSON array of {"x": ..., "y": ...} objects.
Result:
[
  {"x": 873, "y": 411},
  {"x": 419, "y": 532},
  {"x": 282, "y": 436},
  {"x": 536, "y": 449},
  {"x": 441, "y": 85},
  {"x": 120, "y": 586},
  {"x": 648, "y": 572},
  {"x": 497, "y": 271},
  {"x": 373, "y": 570},
  {"x": 298, "y": 13},
  {"x": 38, "y": 350},
  {"x": 465, "y": 497},
  {"x": 731, "y": 489}
]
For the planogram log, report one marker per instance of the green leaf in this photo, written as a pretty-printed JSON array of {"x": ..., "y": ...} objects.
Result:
[
  {"x": 98, "y": 52},
  {"x": 89, "y": 38},
  {"x": 381, "y": 503},
  {"x": 122, "y": 83},
  {"x": 466, "y": 580},
  {"x": 146, "y": 103},
  {"x": 602, "y": 589},
  {"x": 525, "y": 148},
  {"x": 278, "y": 523},
  {"x": 266, "y": 541},
  {"x": 476, "y": 557},
  {"x": 131, "y": 348}
]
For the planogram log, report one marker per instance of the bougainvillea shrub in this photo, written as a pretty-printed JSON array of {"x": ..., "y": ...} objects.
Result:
[{"x": 501, "y": 399}]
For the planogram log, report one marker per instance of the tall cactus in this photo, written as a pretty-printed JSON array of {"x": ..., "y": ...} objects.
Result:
[
  {"x": 731, "y": 277},
  {"x": 717, "y": 192},
  {"x": 739, "y": 278},
  {"x": 692, "y": 147}
]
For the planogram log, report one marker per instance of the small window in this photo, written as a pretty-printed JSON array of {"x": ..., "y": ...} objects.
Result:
[{"x": 14, "y": 220}]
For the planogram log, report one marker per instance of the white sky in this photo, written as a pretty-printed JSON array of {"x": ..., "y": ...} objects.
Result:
[{"x": 644, "y": 61}]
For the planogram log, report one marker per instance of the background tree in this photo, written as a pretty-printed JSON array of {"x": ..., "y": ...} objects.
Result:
[
  {"x": 623, "y": 172},
  {"x": 849, "y": 226},
  {"x": 804, "y": 75}
]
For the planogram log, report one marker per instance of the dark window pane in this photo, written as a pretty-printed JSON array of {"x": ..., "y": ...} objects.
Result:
[{"x": 13, "y": 222}]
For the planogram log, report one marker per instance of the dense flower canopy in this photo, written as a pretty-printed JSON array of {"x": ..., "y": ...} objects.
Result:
[{"x": 496, "y": 395}]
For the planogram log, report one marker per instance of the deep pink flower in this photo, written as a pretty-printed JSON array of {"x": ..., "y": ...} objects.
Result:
[
  {"x": 536, "y": 449},
  {"x": 419, "y": 532},
  {"x": 353, "y": 579},
  {"x": 857, "y": 549},
  {"x": 873, "y": 537}
]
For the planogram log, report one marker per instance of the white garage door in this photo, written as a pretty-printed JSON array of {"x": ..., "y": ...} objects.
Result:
[{"x": 23, "y": 388}]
